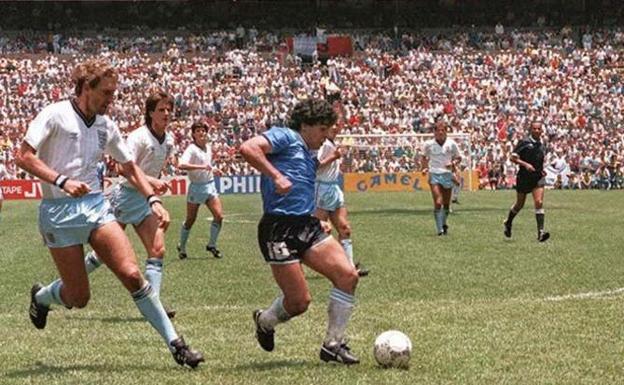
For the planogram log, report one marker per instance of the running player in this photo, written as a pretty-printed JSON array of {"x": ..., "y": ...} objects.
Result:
[
  {"x": 62, "y": 147},
  {"x": 197, "y": 160},
  {"x": 330, "y": 204},
  {"x": 529, "y": 156},
  {"x": 440, "y": 157},
  {"x": 151, "y": 146},
  {"x": 289, "y": 234}
]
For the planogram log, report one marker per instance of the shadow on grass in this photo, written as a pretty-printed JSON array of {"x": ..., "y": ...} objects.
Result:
[
  {"x": 271, "y": 365},
  {"x": 42, "y": 369}
]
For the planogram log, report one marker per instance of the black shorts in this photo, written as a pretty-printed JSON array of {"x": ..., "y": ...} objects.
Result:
[
  {"x": 285, "y": 239},
  {"x": 526, "y": 183}
]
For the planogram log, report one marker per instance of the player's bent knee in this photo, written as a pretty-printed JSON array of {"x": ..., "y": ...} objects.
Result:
[
  {"x": 344, "y": 231},
  {"x": 157, "y": 252},
  {"x": 348, "y": 281},
  {"x": 299, "y": 305},
  {"x": 132, "y": 279}
]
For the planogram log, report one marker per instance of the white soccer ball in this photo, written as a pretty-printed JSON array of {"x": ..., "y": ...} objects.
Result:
[{"x": 393, "y": 349}]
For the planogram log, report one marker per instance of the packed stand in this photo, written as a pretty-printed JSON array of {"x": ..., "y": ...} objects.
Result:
[{"x": 487, "y": 85}]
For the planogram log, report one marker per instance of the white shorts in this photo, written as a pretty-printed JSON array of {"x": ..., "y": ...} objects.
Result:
[
  {"x": 69, "y": 221},
  {"x": 329, "y": 196},
  {"x": 129, "y": 206},
  {"x": 200, "y": 193}
]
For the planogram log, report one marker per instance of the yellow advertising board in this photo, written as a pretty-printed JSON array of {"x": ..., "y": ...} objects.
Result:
[{"x": 403, "y": 181}]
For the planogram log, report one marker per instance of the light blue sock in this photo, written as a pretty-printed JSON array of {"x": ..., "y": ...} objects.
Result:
[
  {"x": 446, "y": 214},
  {"x": 153, "y": 273},
  {"x": 439, "y": 219},
  {"x": 215, "y": 228},
  {"x": 92, "y": 262},
  {"x": 149, "y": 305},
  {"x": 274, "y": 315},
  {"x": 50, "y": 294},
  {"x": 340, "y": 307},
  {"x": 184, "y": 234},
  {"x": 347, "y": 245}
]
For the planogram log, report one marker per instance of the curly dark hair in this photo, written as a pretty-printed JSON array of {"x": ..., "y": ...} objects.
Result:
[{"x": 311, "y": 112}]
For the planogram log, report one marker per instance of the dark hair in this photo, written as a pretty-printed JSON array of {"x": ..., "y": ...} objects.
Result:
[
  {"x": 91, "y": 72},
  {"x": 197, "y": 125},
  {"x": 311, "y": 112},
  {"x": 152, "y": 101}
]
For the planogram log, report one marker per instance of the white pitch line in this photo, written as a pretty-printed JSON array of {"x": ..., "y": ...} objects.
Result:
[{"x": 587, "y": 295}]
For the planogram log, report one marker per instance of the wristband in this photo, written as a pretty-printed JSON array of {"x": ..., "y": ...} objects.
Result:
[
  {"x": 60, "y": 181},
  {"x": 153, "y": 199}
]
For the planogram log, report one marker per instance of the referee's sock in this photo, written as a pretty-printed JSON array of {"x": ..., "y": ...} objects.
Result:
[
  {"x": 510, "y": 217},
  {"x": 539, "y": 217}
]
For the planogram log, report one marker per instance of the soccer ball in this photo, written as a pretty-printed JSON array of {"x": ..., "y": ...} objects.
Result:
[{"x": 393, "y": 349}]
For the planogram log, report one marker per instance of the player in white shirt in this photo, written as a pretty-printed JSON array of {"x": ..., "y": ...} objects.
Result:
[
  {"x": 62, "y": 147},
  {"x": 151, "y": 146},
  {"x": 440, "y": 156},
  {"x": 329, "y": 198},
  {"x": 197, "y": 161}
]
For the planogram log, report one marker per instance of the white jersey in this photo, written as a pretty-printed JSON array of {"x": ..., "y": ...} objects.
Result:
[
  {"x": 196, "y": 156},
  {"x": 67, "y": 144},
  {"x": 440, "y": 157},
  {"x": 148, "y": 153},
  {"x": 331, "y": 171},
  {"x": 4, "y": 173}
]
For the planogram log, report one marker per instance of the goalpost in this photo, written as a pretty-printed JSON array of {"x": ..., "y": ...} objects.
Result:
[{"x": 409, "y": 141}]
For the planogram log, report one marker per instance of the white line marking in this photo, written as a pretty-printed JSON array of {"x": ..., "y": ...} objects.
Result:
[{"x": 587, "y": 295}]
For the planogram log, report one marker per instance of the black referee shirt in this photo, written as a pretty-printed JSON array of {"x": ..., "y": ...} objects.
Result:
[{"x": 533, "y": 152}]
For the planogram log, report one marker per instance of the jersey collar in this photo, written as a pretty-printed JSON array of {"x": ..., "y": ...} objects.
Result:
[
  {"x": 87, "y": 122},
  {"x": 160, "y": 139}
]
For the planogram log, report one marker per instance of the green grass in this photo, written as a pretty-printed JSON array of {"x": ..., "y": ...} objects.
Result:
[{"x": 476, "y": 306}]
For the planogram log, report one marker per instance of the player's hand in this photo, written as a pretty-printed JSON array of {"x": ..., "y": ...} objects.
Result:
[
  {"x": 337, "y": 153},
  {"x": 208, "y": 167},
  {"x": 161, "y": 214},
  {"x": 282, "y": 185},
  {"x": 425, "y": 171},
  {"x": 326, "y": 227},
  {"x": 160, "y": 187},
  {"x": 75, "y": 188},
  {"x": 529, "y": 167},
  {"x": 217, "y": 171}
]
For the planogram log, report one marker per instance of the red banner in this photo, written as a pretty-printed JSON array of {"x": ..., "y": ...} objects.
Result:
[{"x": 21, "y": 189}]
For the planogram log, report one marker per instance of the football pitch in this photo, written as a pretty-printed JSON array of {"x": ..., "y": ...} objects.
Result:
[{"x": 479, "y": 309}]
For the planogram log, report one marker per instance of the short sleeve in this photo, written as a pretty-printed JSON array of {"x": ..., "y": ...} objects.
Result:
[
  {"x": 187, "y": 155},
  {"x": 521, "y": 147},
  {"x": 426, "y": 149},
  {"x": 280, "y": 139},
  {"x": 40, "y": 128}
]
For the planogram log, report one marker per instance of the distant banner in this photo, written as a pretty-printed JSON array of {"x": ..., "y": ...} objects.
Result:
[
  {"x": 408, "y": 181},
  {"x": 31, "y": 189}
]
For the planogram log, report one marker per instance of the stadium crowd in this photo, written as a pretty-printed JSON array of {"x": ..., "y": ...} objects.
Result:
[{"x": 488, "y": 85}]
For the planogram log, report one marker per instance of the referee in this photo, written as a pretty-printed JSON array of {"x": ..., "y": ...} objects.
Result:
[{"x": 529, "y": 156}]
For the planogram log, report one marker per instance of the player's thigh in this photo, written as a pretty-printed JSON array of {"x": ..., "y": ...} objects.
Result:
[
  {"x": 69, "y": 262},
  {"x": 152, "y": 236},
  {"x": 215, "y": 206},
  {"x": 291, "y": 281},
  {"x": 328, "y": 259},
  {"x": 114, "y": 249},
  {"x": 436, "y": 192}
]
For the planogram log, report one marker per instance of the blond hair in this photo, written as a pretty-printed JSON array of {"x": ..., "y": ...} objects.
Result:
[{"x": 91, "y": 72}]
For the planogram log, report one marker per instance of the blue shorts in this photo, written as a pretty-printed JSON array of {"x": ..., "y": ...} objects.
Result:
[
  {"x": 200, "y": 193},
  {"x": 445, "y": 180},
  {"x": 329, "y": 196},
  {"x": 129, "y": 206},
  {"x": 69, "y": 221}
]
